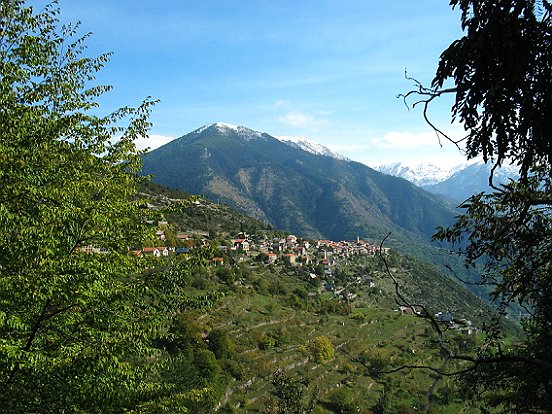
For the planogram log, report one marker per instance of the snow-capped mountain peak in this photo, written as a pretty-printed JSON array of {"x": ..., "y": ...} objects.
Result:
[
  {"x": 307, "y": 144},
  {"x": 225, "y": 128},
  {"x": 302, "y": 143},
  {"x": 458, "y": 182},
  {"x": 420, "y": 174}
]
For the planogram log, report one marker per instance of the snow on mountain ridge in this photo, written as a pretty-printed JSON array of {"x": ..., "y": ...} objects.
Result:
[
  {"x": 246, "y": 133},
  {"x": 420, "y": 174},
  {"x": 426, "y": 174},
  {"x": 307, "y": 144},
  {"x": 302, "y": 143}
]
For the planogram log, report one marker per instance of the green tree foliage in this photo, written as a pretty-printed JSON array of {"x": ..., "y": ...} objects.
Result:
[
  {"x": 343, "y": 401},
  {"x": 185, "y": 334},
  {"x": 322, "y": 349},
  {"x": 267, "y": 342},
  {"x": 75, "y": 327},
  {"x": 220, "y": 344},
  {"x": 189, "y": 377},
  {"x": 292, "y": 395},
  {"x": 376, "y": 362},
  {"x": 501, "y": 70},
  {"x": 226, "y": 275}
]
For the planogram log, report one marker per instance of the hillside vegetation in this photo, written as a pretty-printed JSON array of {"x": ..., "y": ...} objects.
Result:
[
  {"x": 280, "y": 324},
  {"x": 118, "y": 296}
]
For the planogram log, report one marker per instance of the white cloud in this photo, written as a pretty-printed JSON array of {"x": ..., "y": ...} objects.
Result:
[
  {"x": 405, "y": 146},
  {"x": 302, "y": 120},
  {"x": 405, "y": 140},
  {"x": 152, "y": 141},
  {"x": 349, "y": 147},
  {"x": 280, "y": 102},
  {"x": 422, "y": 139}
]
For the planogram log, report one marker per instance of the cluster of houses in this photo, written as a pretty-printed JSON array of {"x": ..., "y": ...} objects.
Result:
[
  {"x": 463, "y": 325},
  {"x": 293, "y": 250},
  {"x": 289, "y": 250},
  {"x": 161, "y": 250}
]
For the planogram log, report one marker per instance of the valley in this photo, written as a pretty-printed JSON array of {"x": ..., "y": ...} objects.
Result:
[{"x": 235, "y": 271}]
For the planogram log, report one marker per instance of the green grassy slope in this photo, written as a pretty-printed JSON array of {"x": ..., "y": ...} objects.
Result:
[{"x": 271, "y": 317}]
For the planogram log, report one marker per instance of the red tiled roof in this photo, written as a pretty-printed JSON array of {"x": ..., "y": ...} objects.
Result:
[{"x": 152, "y": 249}]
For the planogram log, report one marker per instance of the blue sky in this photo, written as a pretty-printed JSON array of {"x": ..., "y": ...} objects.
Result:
[{"x": 328, "y": 70}]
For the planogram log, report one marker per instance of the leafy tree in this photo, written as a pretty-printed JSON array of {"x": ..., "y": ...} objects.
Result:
[
  {"x": 293, "y": 395},
  {"x": 343, "y": 401},
  {"x": 206, "y": 366},
  {"x": 376, "y": 362},
  {"x": 188, "y": 382},
  {"x": 321, "y": 348},
  {"x": 382, "y": 405},
  {"x": 501, "y": 70},
  {"x": 262, "y": 258},
  {"x": 220, "y": 344},
  {"x": 226, "y": 275},
  {"x": 77, "y": 316},
  {"x": 185, "y": 334}
]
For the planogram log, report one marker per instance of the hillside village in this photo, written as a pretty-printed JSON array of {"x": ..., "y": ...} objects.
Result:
[
  {"x": 320, "y": 256},
  {"x": 290, "y": 250},
  {"x": 173, "y": 239}
]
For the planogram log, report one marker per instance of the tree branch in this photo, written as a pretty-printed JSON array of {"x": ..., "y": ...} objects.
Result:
[
  {"x": 428, "y": 95},
  {"x": 424, "y": 314},
  {"x": 475, "y": 362},
  {"x": 32, "y": 335}
]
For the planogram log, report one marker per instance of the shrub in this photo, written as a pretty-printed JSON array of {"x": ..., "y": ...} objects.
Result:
[
  {"x": 220, "y": 344},
  {"x": 322, "y": 349},
  {"x": 343, "y": 401},
  {"x": 267, "y": 342}
]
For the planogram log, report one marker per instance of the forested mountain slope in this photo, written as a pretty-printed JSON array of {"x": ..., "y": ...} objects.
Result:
[{"x": 292, "y": 189}]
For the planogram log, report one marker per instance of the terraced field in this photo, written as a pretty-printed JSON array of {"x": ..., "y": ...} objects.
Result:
[{"x": 269, "y": 337}]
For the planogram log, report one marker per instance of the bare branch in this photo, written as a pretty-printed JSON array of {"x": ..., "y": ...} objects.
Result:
[
  {"x": 425, "y": 314},
  {"x": 429, "y": 368},
  {"x": 427, "y": 95},
  {"x": 495, "y": 358}
]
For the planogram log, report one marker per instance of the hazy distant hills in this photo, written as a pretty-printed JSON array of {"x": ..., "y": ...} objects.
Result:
[
  {"x": 457, "y": 183},
  {"x": 294, "y": 188}
]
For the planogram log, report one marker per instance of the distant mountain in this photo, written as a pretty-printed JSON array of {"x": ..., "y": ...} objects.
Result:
[
  {"x": 419, "y": 174},
  {"x": 293, "y": 189},
  {"x": 472, "y": 179},
  {"x": 456, "y": 183}
]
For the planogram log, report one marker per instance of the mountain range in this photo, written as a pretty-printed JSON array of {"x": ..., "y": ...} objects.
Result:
[
  {"x": 421, "y": 174},
  {"x": 295, "y": 187},
  {"x": 456, "y": 183}
]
